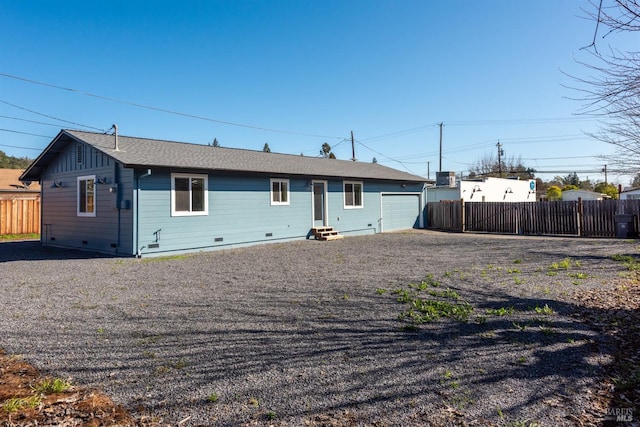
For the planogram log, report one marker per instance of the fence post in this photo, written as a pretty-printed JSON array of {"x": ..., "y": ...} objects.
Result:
[
  {"x": 580, "y": 217},
  {"x": 462, "y": 216}
]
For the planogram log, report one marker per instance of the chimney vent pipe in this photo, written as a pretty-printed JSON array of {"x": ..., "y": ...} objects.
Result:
[{"x": 115, "y": 133}]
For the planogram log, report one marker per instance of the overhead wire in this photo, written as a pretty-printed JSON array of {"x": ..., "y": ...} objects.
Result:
[
  {"x": 399, "y": 160},
  {"x": 29, "y": 121},
  {"x": 164, "y": 110},
  {"x": 49, "y": 116},
  {"x": 24, "y": 133},
  {"x": 385, "y": 156},
  {"x": 478, "y": 123},
  {"x": 518, "y": 121}
]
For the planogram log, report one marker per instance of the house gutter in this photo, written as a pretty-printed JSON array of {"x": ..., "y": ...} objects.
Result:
[{"x": 137, "y": 207}]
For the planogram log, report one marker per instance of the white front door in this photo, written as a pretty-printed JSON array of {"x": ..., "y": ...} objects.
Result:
[{"x": 319, "y": 203}]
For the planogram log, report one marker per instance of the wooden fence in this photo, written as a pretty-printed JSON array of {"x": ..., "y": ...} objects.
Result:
[
  {"x": 19, "y": 216},
  {"x": 590, "y": 218}
]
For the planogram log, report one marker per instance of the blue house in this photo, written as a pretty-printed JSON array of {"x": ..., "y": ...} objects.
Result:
[{"x": 136, "y": 196}]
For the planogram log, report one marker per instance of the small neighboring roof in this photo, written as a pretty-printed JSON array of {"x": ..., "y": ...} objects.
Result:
[
  {"x": 586, "y": 193},
  {"x": 631, "y": 190},
  {"x": 149, "y": 153},
  {"x": 10, "y": 181}
]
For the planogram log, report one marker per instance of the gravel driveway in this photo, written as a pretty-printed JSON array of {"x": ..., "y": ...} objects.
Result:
[{"x": 308, "y": 332}]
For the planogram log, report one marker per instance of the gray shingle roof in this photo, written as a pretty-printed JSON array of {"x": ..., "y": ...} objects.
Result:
[{"x": 149, "y": 153}]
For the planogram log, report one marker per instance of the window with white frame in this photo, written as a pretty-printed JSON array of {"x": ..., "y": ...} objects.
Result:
[
  {"x": 86, "y": 195},
  {"x": 279, "y": 191},
  {"x": 189, "y": 194},
  {"x": 352, "y": 194}
]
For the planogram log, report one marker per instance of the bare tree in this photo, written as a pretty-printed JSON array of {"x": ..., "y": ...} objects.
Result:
[
  {"x": 511, "y": 166},
  {"x": 612, "y": 90}
]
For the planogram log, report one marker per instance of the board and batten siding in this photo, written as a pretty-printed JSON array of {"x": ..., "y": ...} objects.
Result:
[
  {"x": 107, "y": 231},
  {"x": 239, "y": 213}
]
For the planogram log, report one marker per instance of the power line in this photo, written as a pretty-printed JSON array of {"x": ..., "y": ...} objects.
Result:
[
  {"x": 23, "y": 148},
  {"x": 30, "y": 121},
  {"x": 164, "y": 110},
  {"x": 579, "y": 171},
  {"x": 480, "y": 123},
  {"x": 51, "y": 117},
  {"x": 385, "y": 156},
  {"x": 23, "y": 133},
  {"x": 518, "y": 121},
  {"x": 561, "y": 158},
  {"x": 399, "y": 133}
]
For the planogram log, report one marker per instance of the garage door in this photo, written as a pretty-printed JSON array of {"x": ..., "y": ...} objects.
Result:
[{"x": 400, "y": 211}]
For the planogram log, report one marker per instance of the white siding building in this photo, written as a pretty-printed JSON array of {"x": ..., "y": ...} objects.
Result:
[
  {"x": 574, "y": 195},
  {"x": 486, "y": 190},
  {"x": 630, "y": 194}
]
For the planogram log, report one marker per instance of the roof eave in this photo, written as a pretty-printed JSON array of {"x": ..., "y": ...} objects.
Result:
[
  {"x": 34, "y": 170},
  {"x": 266, "y": 172}
]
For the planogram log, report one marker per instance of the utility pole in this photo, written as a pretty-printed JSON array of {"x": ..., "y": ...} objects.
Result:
[
  {"x": 440, "y": 165},
  {"x": 500, "y": 154},
  {"x": 353, "y": 148},
  {"x": 428, "y": 170},
  {"x": 605, "y": 175}
]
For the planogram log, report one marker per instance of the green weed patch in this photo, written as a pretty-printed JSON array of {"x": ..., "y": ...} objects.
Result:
[{"x": 428, "y": 301}]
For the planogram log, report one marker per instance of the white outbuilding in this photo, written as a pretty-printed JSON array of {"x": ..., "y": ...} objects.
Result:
[
  {"x": 630, "y": 194},
  {"x": 488, "y": 189},
  {"x": 574, "y": 195}
]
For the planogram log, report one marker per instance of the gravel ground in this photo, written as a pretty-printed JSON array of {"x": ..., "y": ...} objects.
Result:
[{"x": 308, "y": 332}]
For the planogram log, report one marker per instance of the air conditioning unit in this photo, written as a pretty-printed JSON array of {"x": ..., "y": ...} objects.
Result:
[{"x": 445, "y": 179}]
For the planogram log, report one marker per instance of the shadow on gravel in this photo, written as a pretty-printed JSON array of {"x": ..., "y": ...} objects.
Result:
[
  {"x": 32, "y": 250},
  {"x": 518, "y": 366},
  {"x": 299, "y": 331}
]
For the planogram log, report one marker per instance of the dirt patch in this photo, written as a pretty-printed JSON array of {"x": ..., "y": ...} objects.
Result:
[
  {"x": 616, "y": 313},
  {"x": 21, "y": 404}
]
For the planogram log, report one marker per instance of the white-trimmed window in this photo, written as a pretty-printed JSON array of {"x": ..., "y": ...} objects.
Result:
[
  {"x": 352, "y": 194},
  {"x": 279, "y": 191},
  {"x": 87, "y": 195},
  {"x": 189, "y": 194}
]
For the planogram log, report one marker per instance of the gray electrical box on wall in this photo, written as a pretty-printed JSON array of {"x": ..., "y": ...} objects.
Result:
[{"x": 125, "y": 204}]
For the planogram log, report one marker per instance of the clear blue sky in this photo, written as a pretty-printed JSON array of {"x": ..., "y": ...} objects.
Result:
[{"x": 297, "y": 73}]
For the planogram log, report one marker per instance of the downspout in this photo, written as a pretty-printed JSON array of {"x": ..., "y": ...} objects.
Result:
[
  {"x": 137, "y": 207},
  {"x": 44, "y": 234}
]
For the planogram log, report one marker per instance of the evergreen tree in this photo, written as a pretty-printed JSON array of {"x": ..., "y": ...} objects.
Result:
[
  {"x": 325, "y": 151},
  {"x": 10, "y": 162}
]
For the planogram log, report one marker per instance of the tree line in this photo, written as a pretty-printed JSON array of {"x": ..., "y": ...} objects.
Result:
[{"x": 10, "y": 162}]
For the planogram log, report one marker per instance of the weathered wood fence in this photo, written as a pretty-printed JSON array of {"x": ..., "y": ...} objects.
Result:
[
  {"x": 590, "y": 218},
  {"x": 19, "y": 216}
]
